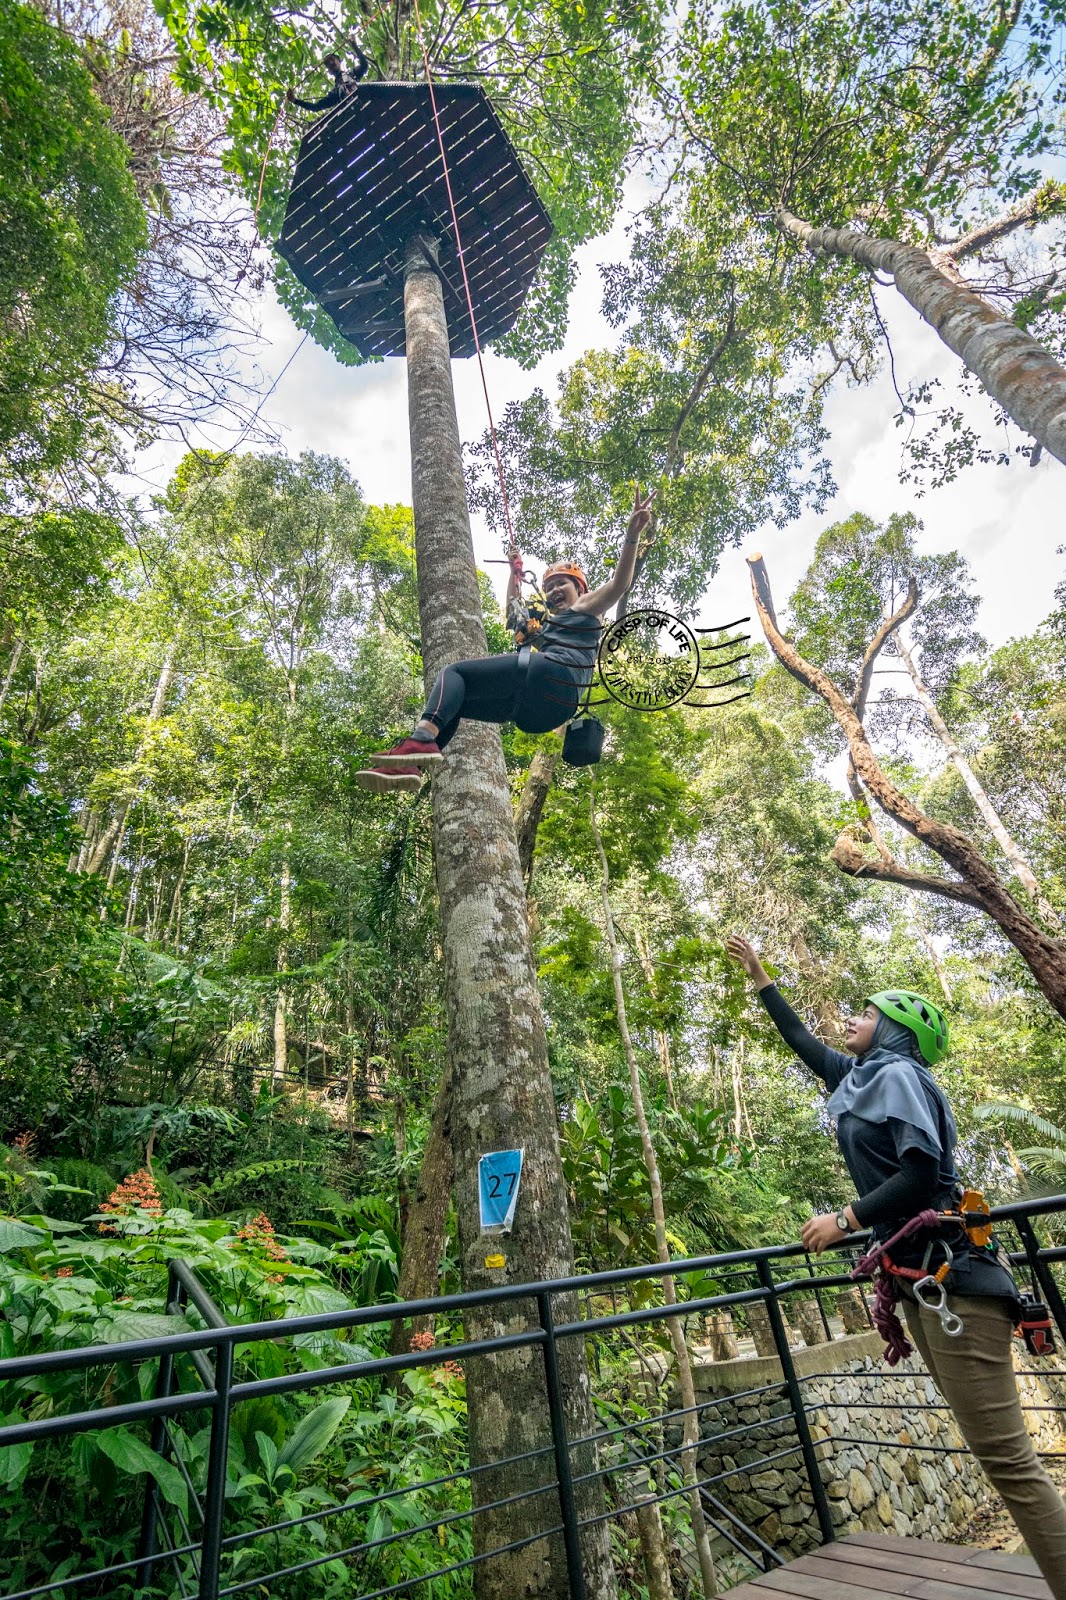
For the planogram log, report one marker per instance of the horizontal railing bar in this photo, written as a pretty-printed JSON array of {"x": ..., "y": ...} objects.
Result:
[
  {"x": 940, "y": 1449},
  {"x": 406, "y": 1583},
  {"x": 671, "y": 1494},
  {"x": 105, "y": 1417},
  {"x": 235, "y": 1539},
  {"x": 679, "y": 1449},
  {"x": 405, "y": 1533},
  {"x": 669, "y": 1416},
  {"x": 101, "y": 1572},
  {"x": 361, "y": 1316},
  {"x": 625, "y": 1319},
  {"x": 294, "y": 1382}
]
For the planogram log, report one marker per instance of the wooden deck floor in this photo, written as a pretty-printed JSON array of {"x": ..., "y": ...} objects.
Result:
[{"x": 869, "y": 1564}]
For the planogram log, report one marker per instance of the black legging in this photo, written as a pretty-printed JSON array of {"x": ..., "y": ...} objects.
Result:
[{"x": 523, "y": 687}]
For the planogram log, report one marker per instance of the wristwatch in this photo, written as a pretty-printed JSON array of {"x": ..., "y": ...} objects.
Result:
[{"x": 842, "y": 1222}]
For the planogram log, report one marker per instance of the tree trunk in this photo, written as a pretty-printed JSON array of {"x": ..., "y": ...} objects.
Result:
[
  {"x": 662, "y": 1038},
  {"x": 1025, "y": 378},
  {"x": 530, "y": 808},
  {"x": 496, "y": 1045},
  {"x": 281, "y": 1002},
  {"x": 640, "y": 1491},
  {"x": 978, "y": 884},
  {"x": 1014, "y": 854},
  {"x": 12, "y": 668},
  {"x": 427, "y": 1219},
  {"x": 690, "y": 1427},
  {"x": 115, "y": 830}
]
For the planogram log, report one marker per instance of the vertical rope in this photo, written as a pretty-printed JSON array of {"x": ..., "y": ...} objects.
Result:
[{"x": 466, "y": 280}]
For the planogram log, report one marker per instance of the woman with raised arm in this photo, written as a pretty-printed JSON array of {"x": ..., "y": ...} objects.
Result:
[
  {"x": 897, "y": 1135},
  {"x": 538, "y": 686}
]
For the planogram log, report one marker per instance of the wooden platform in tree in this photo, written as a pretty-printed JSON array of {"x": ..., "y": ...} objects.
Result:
[
  {"x": 869, "y": 1564},
  {"x": 370, "y": 173}
]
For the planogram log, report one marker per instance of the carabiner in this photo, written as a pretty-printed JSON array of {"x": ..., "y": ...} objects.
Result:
[{"x": 937, "y": 1303}]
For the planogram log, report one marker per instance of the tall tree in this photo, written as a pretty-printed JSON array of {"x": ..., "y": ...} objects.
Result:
[
  {"x": 282, "y": 539},
  {"x": 894, "y": 141},
  {"x": 977, "y": 884},
  {"x": 72, "y": 226},
  {"x": 861, "y": 575},
  {"x": 501, "y": 1084}
]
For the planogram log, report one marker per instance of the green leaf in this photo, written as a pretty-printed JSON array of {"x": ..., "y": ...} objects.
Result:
[
  {"x": 132, "y": 1455},
  {"x": 16, "y": 1235},
  {"x": 268, "y": 1452},
  {"x": 14, "y": 1458},
  {"x": 314, "y": 1433},
  {"x": 119, "y": 1326}
]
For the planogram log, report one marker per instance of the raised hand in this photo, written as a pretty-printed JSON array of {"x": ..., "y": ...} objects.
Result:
[
  {"x": 741, "y": 950},
  {"x": 641, "y": 517}
]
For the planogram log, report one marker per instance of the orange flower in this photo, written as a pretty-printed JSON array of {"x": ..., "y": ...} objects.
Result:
[
  {"x": 259, "y": 1233},
  {"x": 138, "y": 1192}
]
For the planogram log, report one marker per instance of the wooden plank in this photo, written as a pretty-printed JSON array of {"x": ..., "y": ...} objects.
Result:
[
  {"x": 909, "y": 1561},
  {"x": 999, "y": 1559},
  {"x": 802, "y": 1585},
  {"x": 870, "y": 1578}
]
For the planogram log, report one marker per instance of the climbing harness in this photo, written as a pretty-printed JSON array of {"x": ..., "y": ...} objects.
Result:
[
  {"x": 974, "y": 1217},
  {"x": 926, "y": 1286}
]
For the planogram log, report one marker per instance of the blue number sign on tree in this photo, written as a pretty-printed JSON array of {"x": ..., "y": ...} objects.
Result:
[{"x": 499, "y": 1173}]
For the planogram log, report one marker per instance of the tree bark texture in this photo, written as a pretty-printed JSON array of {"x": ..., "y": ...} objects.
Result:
[
  {"x": 502, "y": 1091},
  {"x": 978, "y": 884},
  {"x": 427, "y": 1218},
  {"x": 530, "y": 808},
  {"x": 1011, "y": 849},
  {"x": 1017, "y": 371},
  {"x": 688, "y": 1460}
]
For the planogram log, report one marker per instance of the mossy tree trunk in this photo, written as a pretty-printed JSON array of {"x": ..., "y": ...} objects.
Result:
[{"x": 501, "y": 1086}]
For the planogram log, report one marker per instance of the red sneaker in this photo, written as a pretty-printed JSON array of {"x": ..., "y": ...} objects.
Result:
[
  {"x": 383, "y": 780},
  {"x": 408, "y": 753}
]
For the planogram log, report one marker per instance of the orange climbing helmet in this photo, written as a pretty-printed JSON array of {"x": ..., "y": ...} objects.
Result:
[{"x": 567, "y": 569}]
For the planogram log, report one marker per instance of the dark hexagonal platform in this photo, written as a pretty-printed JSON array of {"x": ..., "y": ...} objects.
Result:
[{"x": 369, "y": 173}]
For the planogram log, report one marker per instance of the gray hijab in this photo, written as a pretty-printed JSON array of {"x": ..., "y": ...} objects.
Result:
[{"x": 890, "y": 1081}]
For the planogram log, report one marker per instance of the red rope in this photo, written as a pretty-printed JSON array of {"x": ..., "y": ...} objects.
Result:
[{"x": 466, "y": 280}]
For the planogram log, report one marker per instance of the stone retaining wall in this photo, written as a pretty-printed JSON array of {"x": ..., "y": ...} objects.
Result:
[{"x": 885, "y": 1486}]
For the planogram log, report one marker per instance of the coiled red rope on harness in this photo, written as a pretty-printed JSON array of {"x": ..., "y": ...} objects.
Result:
[{"x": 886, "y": 1289}]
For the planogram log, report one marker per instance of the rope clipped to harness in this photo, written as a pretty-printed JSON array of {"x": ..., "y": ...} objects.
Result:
[{"x": 886, "y": 1288}]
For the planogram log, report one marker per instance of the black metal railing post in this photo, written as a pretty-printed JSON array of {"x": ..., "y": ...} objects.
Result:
[
  {"x": 1042, "y": 1273},
  {"x": 164, "y": 1383},
  {"x": 215, "y": 1495},
  {"x": 799, "y": 1410},
  {"x": 561, "y": 1444}
]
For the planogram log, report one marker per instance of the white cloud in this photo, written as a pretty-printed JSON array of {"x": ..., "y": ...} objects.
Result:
[{"x": 1007, "y": 521}]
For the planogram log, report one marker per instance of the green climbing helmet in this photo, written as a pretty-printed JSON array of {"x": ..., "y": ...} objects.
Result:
[{"x": 925, "y": 1020}]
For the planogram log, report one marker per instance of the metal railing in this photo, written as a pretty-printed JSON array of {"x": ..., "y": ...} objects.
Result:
[{"x": 192, "y": 1552}]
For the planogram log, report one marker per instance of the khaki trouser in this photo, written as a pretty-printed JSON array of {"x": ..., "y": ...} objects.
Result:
[{"x": 975, "y": 1375}]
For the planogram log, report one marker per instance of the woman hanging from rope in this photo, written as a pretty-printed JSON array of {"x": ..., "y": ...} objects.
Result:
[
  {"x": 897, "y": 1135},
  {"x": 539, "y": 685}
]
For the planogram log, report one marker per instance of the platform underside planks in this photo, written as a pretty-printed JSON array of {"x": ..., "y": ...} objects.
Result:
[{"x": 869, "y": 1564}]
